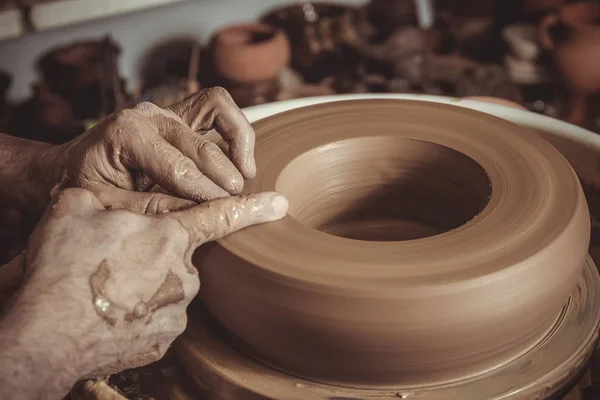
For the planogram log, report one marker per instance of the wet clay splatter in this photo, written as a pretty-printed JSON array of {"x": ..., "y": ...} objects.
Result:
[
  {"x": 169, "y": 292},
  {"x": 103, "y": 306}
]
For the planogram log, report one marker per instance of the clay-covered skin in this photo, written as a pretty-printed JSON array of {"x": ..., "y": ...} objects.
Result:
[
  {"x": 424, "y": 244},
  {"x": 107, "y": 290},
  {"x": 133, "y": 150}
]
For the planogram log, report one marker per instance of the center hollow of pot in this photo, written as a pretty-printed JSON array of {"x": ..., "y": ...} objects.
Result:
[{"x": 385, "y": 188}]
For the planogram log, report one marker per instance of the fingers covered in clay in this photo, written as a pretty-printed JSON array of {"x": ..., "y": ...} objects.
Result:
[
  {"x": 214, "y": 108},
  {"x": 218, "y": 218},
  {"x": 136, "y": 149},
  {"x": 208, "y": 157},
  {"x": 123, "y": 280},
  {"x": 143, "y": 202},
  {"x": 168, "y": 167}
]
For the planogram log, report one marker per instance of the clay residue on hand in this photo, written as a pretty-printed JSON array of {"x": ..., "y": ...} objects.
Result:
[
  {"x": 102, "y": 305},
  {"x": 169, "y": 292}
]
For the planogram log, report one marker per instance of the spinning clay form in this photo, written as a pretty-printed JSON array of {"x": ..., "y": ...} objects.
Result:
[{"x": 425, "y": 244}]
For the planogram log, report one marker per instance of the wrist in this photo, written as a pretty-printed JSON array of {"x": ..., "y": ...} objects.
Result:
[
  {"x": 28, "y": 171},
  {"x": 45, "y": 172},
  {"x": 34, "y": 360}
]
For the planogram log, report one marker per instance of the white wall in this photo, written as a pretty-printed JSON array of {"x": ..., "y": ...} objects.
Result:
[{"x": 136, "y": 33}]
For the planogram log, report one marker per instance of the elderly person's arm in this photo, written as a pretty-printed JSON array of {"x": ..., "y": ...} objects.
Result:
[
  {"x": 105, "y": 287},
  {"x": 107, "y": 290},
  {"x": 28, "y": 171},
  {"x": 129, "y": 152}
]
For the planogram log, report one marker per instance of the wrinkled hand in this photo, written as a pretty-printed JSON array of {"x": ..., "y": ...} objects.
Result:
[
  {"x": 133, "y": 150},
  {"x": 109, "y": 288}
]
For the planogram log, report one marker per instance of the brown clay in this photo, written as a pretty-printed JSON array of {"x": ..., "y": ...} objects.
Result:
[
  {"x": 220, "y": 370},
  {"x": 413, "y": 253},
  {"x": 573, "y": 37},
  {"x": 250, "y": 53}
]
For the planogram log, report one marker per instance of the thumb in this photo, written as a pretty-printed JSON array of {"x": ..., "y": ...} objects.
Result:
[
  {"x": 217, "y": 218},
  {"x": 142, "y": 202}
]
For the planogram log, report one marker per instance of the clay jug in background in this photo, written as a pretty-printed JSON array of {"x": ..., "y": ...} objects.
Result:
[
  {"x": 322, "y": 35},
  {"x": 250, "y": 53},
  {"x": 572, "y": 35}
]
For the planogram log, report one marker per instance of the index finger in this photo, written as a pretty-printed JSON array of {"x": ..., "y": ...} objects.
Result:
[
  {"x": 214, "y": 108},
  {"x": 214, "y": 219}
]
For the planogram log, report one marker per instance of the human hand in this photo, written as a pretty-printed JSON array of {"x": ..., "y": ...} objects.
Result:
[
  {"x": 126, "y": 154},
  {"x": 107, "y": 290}
]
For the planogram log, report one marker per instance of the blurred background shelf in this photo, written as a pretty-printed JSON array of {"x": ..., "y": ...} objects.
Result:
[
  {"x": 51, "y": 14},
  {"x": 138, "y": 31}
]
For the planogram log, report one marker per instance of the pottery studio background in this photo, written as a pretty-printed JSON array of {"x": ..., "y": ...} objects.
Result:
[{"x": 65, "y": 64}]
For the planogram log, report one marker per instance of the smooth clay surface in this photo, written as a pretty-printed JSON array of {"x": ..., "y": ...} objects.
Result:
[
  {"x": 425, "y": 243},
  {"x": 544, "y": 372}
]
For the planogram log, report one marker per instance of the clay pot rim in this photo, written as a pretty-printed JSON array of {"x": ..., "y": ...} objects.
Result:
[
  {"x": 523, "y": 118},
  {"x": 331, "y": 289},
  {"x": 520, "y": 117},
  {"x": 241, "y": 243},
  {"x": 198, "y": 342}
]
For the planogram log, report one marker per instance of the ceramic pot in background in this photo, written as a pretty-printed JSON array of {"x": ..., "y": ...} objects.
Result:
[
  {"x": 572, "y": 35},
  {"x": 250, "y": 53},
  {"x": 323, "y": 37},
  {"x": 85, "y": 74}
]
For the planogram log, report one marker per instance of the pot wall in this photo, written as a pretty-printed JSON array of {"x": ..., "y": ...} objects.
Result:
[{"x": 580, "y": 146}]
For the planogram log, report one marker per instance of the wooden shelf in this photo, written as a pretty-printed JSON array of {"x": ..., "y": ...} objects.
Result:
[{"x": 61, "y": 13}]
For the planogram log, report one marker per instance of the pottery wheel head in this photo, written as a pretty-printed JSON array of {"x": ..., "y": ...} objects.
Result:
[{"x": 425, "y": 243}]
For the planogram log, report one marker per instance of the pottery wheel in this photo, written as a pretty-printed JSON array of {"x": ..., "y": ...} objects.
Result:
[{"x": 426, "y": 246}]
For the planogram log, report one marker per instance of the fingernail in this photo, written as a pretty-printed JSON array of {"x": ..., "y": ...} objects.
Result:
[{"x": 279, "y": 205}]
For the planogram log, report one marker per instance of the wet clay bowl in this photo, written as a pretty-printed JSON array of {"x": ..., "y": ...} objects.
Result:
[{"x": 425, "y": 244}]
